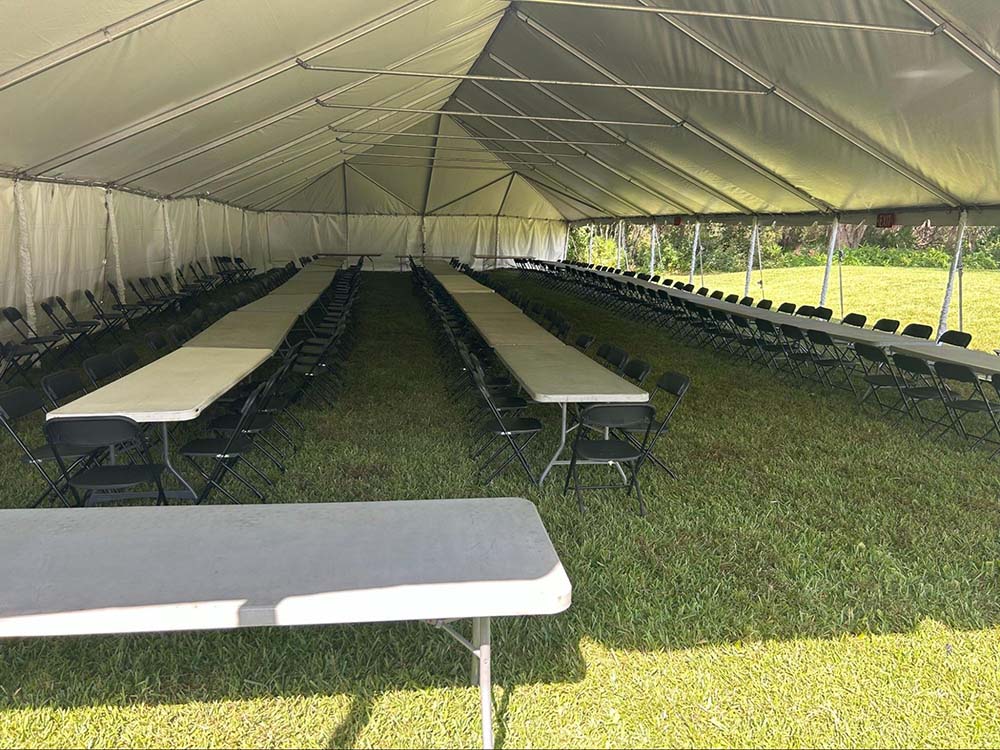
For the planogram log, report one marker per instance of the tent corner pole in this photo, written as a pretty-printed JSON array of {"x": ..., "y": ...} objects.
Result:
[{"x": 831, "y": 249}]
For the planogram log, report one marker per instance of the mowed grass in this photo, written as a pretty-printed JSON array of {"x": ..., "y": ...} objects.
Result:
[
  {"x": 910, "y": 295},
  {"x": 817, "y": 576}
]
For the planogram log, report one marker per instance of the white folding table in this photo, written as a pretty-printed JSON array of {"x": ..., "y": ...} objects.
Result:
[
  {"x": 140, "y": 570},
  {"x": 560, "y": 374},
  {"x": 246, "y": 329},
  {"x": 175, "y": 388}
]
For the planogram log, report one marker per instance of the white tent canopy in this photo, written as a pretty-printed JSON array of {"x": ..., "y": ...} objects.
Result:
[{"x": 277, "y": 129}]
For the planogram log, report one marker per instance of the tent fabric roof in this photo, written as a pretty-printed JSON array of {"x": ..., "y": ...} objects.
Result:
[{"x": 802, "y": 108}]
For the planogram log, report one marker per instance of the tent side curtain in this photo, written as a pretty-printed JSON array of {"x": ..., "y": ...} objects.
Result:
[{"x": 66, "y": 246}]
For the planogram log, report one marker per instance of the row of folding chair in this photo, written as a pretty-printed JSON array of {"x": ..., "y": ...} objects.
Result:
[
  {"x": 252, "y": 423},
  {"x": 942, "y": 397}
]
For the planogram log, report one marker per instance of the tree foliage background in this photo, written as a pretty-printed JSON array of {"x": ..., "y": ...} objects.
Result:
[{"x": 725, "y": 246}]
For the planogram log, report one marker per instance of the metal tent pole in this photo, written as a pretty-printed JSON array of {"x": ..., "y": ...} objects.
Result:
[
  {"x": 750, "y": 256},
  {"x": 590, "y": 245},
  {"x": 694, "y": 250},
  {"x": 955, "y": 265},
  {"x": 654, "y": 237},
  {"x": 831, "y": 249}
]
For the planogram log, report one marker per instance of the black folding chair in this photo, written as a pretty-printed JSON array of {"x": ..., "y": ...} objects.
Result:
[
  {"x": 115, "y": 437},
  {"x": 917, "y": 331},
  {"x": 962, "y": 406},
  {"x": 956, "y": 338},
  {"x": 611, "y": 451},
  {"x": 18, "y": 404},
  {"x": 101, "y": 369},
  {"x": 675, "y": 386},
  {"x": 63, "y": 386}
]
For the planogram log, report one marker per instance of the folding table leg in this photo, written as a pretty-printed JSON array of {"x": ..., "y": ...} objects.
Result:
[
  {"x": 560, "y": 449},
  {"x": 481, "y": 674}
]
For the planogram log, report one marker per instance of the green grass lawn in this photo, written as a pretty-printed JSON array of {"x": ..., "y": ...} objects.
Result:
[
  {"x": 910, "y": 295},
  {"x": 817, "y": 576}
]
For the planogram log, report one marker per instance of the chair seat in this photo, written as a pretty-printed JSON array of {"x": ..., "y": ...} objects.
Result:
[
  {"x": 922, "y": 392},
  {"x": 880, "y": 381},
  {"x": 517, "y": 426},
  {"x": 116, "y": 477},
  {"x": 45, "y": 453},
  {"x": 974, "y": 405},
  {"x": 607, "y": 450},
  {"x": 258, "y": 423},
  {"x": 214, "y": 447},
  {"x": 49, "y": 339}
]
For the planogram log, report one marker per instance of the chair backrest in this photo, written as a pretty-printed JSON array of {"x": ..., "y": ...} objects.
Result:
[
  {"x": 602, "y": 351},
  {"x": 94, "y": 432},
  {"x": 886, "y": 325},
  {"x": 871, "y": 353},
  {"x": 918, "y": 331},
  {"x": 792, "y": 333},
  {"x": 912, "y": 365},
  {"x": 637, "y": 370},
  {"x": 717, "y": 294},
  {"x": 956, "y": 372},
  {"x": 855, "y": 319},
  {"x": 823, "y": 313},
  {"x": 617, "y": 358},
  {"x": 157, "y": 341},
  {"x": 618, "y": 415},
  {"x": 703, "y": 291},
  {"x": 764, "y": 304},
  {"x": 101, "y": 367},
  {"x": 786, "y": 307},
  {"x": 806, "y": 311},
  {"x": 732, "y": 298},
  {"x": 19, "y": 402},
  {"x": 63, "y": 385},
  {"x": 820, "y": 338},
  {"x": 126, "y": 357},
  {"x": 956, "y": 338},
  {"x": 747, "y": 301}
]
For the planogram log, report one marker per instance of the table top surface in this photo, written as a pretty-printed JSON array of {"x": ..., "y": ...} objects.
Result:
[
  {"x": 474, "y": 304},
  {"x": 247, "y": 329},
  {"x": 123, "y": 570},
  {"x": 556, "y": 373},
  {"x": 297, "y": 303},
  {"x": 461, "y": 284},
  {"x": 175, "y": 388},
  {"x": 306, "y": 282},
  {"x": 511, "y": 329}
]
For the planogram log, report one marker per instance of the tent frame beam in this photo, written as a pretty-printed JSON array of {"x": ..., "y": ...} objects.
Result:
[
  {"x": 95, "y": 40},
  {"x": 438, "y": 92},
  {"x": 855, "y": 140},
  {"x": 566, "y": 190},
  {"x": 574, "y": 120},
  {"x": 507, "y": 79},
  {"x": 632, "y": 146},
  {"x": 172, "y": 113},
  {"x": 558, "y": 165},
  {"x": 300, "y": 107},
  {"x": 748, "y": 17},
  {"x": 465, "y": 195},
  {"x": 960, "y": 38},
  {"x": 389, "y": 144},
  {"x": 600, "y": 162},
  {"x": 697, "y": 130},
  {"x": 286, "y": 175},
  {"x": 377, "y": 184},
  {"x": 475, "y": 138}
]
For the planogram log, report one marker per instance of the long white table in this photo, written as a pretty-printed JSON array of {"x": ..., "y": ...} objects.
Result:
[
  {"x": 549, "y": 371},
  {"x": 76, "y": 572},
  {"x": 175, "y": 388},
  {"x": 984, "y": 363},
  {"x": 245, "y": 329}
]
